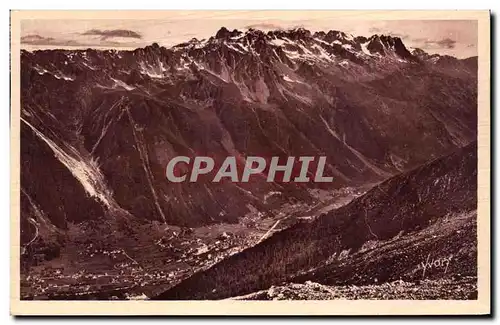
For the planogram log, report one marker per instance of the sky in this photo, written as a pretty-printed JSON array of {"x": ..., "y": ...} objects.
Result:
[{"x": 452, "y": 37}]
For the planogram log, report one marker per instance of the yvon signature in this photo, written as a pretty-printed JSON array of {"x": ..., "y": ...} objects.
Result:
[{"x": 433, "y": 264}]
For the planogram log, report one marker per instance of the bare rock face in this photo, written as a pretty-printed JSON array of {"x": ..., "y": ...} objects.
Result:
[{"x": 99, "y": 127}]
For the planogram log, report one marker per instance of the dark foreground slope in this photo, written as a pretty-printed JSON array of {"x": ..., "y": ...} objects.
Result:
[
  {"x": 450, "y": 288},
  {"x": 393, "y": 232}
]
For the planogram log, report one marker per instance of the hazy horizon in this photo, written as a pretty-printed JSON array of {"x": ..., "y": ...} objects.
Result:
[{"x": 447, "y": 37}]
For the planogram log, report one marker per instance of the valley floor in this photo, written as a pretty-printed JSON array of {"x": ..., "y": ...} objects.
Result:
[{"x": 101, "y": 262}]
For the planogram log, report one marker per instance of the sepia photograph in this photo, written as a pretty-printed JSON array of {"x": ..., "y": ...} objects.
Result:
[{"x": 251, "y": 158}]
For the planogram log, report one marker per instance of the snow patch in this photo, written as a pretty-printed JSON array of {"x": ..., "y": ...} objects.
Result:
[
  {"x": 344, "y": 63},
  {"x": 87, "y": 173},
  {"x": 278, "y": 42},
  {"x": 57, "y": 75},
  {"x": 238, "y": 37},
  {"x": 287, "y": 78},
  {"x": 272, "y": 193},
  {"x": 349, "y": 37},
  {"x": 89, "y": 66},
  {"x": 364, "y": 48},
  {"x": 322, "y": 53},
  {"x": 122, "y": 84},
  {"x": 321, "y": 41},
  {"x": 153, "y": 72},
  {"x": 62, "y": 76},
  {"x": 234, "y": 48}
]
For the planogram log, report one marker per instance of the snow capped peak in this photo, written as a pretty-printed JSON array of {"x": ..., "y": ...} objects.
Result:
[
  {"x": 232, "y": 56},
  {"x": 224, "y": 33},
  {"x": 300, "y": 44}
]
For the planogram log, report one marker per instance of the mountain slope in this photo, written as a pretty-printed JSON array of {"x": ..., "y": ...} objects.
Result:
[
  {"x": 392, "y": 232},
  {"x": 122, "y": 115}
]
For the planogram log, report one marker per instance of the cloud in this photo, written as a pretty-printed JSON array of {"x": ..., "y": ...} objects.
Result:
[
  {"x": 110, "y": 33},
  {"x": 43, "y": 41},
  {"x": 375, "y": 30},
  {"x": 90, "y": 38},
  {"x": 35, "y": 39},
  {"x": 269, "y": 26},
  {"x": 264, "y": 26},
  {"x": 402, "y": 36},
  {"x": 445, "y": 43},
  {"x": 420, "y": 40}
]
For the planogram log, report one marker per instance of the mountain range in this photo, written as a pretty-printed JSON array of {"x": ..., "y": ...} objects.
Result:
[{"x": 98, "y": 128}]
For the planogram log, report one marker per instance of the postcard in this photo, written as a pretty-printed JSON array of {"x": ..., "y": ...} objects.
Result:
[{"x": 250, "y": 162}]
